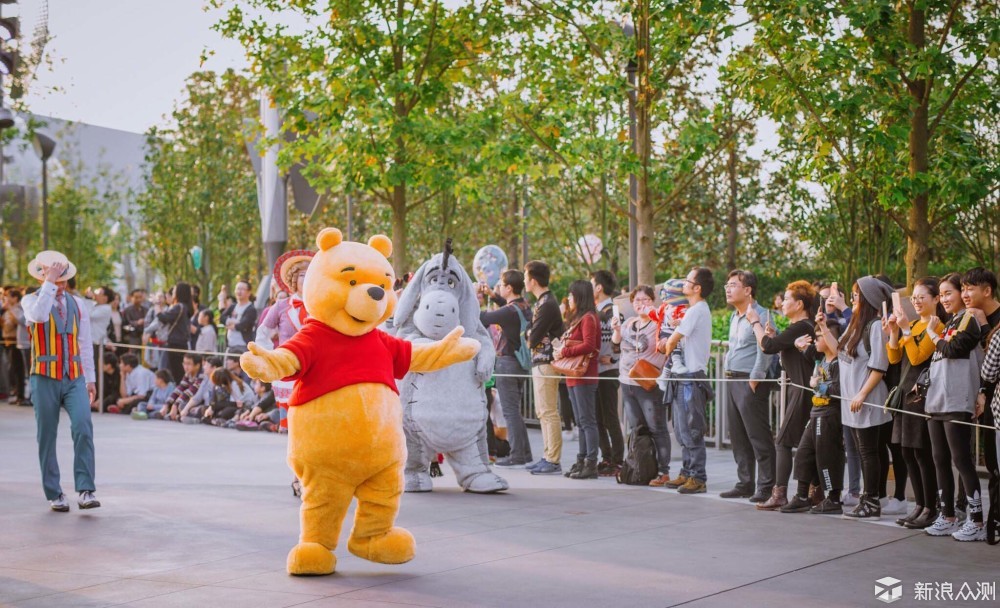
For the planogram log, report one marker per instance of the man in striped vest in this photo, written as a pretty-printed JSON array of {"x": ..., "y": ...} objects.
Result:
[{"x": 62, "y": 376}]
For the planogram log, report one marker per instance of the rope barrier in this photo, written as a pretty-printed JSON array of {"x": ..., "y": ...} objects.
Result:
[{"x": 883, "y": 407}]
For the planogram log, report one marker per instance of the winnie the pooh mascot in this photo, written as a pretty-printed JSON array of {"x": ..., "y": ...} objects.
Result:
[{"x": 345, "y": 428}]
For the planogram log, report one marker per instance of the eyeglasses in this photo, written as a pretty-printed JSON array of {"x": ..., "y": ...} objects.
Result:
[
  {"x": 729, "y": 286},
  {"x": 642, "y": 299}
]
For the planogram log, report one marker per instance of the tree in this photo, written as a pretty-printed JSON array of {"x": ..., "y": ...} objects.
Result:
[
  {"x": 361, "y": 87},
  {"x": 872, "y": 88},
  {"x": 200, "y": 187}
]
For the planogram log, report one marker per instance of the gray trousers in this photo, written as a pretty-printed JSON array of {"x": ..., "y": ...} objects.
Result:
[
  {"x": 511, "y": 391},
  {"x": 750, "y": 436}
]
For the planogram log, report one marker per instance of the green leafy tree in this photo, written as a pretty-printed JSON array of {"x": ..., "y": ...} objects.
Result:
[
  {"x": 200, "y": 188},
  {"x": 362, "y": 88}
]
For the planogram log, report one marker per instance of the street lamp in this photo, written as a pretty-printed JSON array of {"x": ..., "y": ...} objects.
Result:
[
  {"x": 44, "y": 147},
  {"x": 633, "y": 181}
]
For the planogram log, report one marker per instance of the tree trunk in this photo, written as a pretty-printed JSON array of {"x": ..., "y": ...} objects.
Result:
[
  {"x": 732, "y": 231},
  {"x": 400, "y": 262},
  {"x": 645, "y": 260},
  {"x": 513, "y": 229},
  {"x": 918, "y": 218}
]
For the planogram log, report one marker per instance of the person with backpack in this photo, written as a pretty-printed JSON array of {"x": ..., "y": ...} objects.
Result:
[
  {"x": 643, "y": 399},
  {"x": 609, "y": 426},
  {"x": 863, "y": 363},
  {"x": 513, "y": 361}
]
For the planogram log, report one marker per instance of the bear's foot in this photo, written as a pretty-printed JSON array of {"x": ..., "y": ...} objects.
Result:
[
  {"x": 307, "y": 559},
  {"x": 486, "y": 483},
  {"x": 418, "y": 482},
  {"x": 394, "y": 547}
]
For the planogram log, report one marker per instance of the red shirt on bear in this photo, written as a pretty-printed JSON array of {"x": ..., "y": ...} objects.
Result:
[{"x": 331, "y": 360}]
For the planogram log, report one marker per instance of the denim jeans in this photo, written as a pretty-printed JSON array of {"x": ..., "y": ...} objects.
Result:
[
  {"x": 646, "y": 407},
  {"x": 511, "y": 390},
  {"x": 584, "y": 400},
  {"x": 690, "y": 401}
]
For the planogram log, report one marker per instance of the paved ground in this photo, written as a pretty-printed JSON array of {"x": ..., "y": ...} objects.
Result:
[{"x": 200, "y": 516}]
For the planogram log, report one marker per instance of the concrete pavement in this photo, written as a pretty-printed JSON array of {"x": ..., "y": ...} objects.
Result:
[{"x": 202, "y": 516}]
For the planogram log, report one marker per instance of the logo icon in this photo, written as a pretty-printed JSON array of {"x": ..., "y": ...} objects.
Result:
[{"x": 888, "y": 590}]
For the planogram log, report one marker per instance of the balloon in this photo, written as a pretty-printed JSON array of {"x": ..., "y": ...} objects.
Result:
[
  {"x": 489, "y": 264},
  {"x": 589, "y": 249}
]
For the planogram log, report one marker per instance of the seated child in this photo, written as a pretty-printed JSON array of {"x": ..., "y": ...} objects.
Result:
[
  {"x": 229, "y": 397},
  {"x": 164, "y": 384}
]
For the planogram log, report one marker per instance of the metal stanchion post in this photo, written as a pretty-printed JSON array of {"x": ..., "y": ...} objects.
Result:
[{"x": 100, "y": 380}]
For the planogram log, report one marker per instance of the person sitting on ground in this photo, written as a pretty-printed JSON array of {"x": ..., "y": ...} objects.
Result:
[
  {"x": 233, "y": 365},
  {"x": 136, "y": 385},
  {"x": 230, "y": 397},
  {"x": 207, "y": 341},
  {"x": 261, "y": 412},
  {"x": 194, "y": 409},
  {"x": 164, "y": 387},
  {"x": 184, "y": 390},
  {"x": 112, "y": 382}
]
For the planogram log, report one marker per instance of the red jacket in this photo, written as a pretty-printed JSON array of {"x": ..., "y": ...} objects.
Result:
[{"x": 588, "y": 333}]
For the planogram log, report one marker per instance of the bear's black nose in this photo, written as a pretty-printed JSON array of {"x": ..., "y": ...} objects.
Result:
[{"x": 377, "y": 293}]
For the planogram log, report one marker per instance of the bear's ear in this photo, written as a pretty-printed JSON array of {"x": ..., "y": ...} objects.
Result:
[
  {"x": 381, "y": 243},
  {"x": 328, "y": 238}
]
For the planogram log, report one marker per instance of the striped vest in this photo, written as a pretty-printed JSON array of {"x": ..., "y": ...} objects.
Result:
[{"x": 55, "y": 350}]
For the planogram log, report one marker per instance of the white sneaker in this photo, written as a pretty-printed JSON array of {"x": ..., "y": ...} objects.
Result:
[
  {"x": 943, "y": 527},
  {"x": 893, "y": 506},
  {"x": 567, "y": 435},
  {"x": 970, "y": 531},
  {"x": 848, "y": 500},
  {"x": 88, "y": 500},
  {"x": 60, "y": 504}
]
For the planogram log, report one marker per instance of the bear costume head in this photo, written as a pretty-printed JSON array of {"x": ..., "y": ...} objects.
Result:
[{"x": 349, "y": 285}]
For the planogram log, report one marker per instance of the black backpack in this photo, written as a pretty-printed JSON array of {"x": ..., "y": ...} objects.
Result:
[{"x": 640, "y": 465}]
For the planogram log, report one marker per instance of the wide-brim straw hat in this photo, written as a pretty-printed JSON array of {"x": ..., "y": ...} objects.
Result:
[
  {"x": 44, "y": 259},
  {"x": 284, "y": 266}
]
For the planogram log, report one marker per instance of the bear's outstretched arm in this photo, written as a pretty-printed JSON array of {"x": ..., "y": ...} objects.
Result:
[
  {"x": 269, "y": 365},
  {"x": 451, "y": 349}
]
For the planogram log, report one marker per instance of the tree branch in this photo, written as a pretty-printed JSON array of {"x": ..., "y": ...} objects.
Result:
[
  {"x": 954, "y": 93},
  {"x": 423, "y": 200}
]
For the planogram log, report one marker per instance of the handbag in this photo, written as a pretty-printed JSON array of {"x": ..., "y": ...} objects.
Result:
[
  {"x": 572, "y": 367},
  {"x": 645, "y": 374}
]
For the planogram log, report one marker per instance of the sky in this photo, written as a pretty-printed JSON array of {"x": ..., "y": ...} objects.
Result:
[{"x": 121, "y": 63}]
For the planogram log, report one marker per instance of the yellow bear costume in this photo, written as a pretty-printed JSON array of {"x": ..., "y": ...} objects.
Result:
[{"x": 348, "y": 442}]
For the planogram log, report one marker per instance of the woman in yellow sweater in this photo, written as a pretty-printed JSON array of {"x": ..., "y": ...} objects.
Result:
[{"x": 909, "y": 429}]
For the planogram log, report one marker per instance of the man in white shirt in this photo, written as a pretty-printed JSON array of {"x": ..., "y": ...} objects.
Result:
[
  {"x": 62, "y": 376},
  {"x": 690, "y": 392},
  {"x": 240, "y": 319}
]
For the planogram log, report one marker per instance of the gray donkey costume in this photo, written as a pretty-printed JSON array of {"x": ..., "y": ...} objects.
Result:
[{"x": 445, "y": 411}]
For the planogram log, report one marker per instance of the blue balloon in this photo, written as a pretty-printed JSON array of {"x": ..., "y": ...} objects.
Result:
[{"x": 489, "y": 264}]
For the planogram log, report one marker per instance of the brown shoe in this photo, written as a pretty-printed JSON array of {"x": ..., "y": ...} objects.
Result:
[
  {"x": 692, "y": 486},
  {"x": 815, "y": 495},
  {"x": 778, "y": 499},
  {"x": 660, "y": 481},
  {"x": 676, "y": 482}
]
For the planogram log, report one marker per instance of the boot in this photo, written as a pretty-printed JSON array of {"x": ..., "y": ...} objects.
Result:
[
  {"x": 798, "y": 504},
  {"x": 587, "y": 471},
  {"x": 779, "y": 498},
  {"x": 925, "y": 519},
  {"x": 573, "y": 470},
  {"x": 914, "y": 514},
  {"x": 816, "y": 495}
]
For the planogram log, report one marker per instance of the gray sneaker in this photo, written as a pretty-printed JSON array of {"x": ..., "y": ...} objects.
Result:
[
  {"x": 547, "y": 468},
  {"x": 191, "y": 420},
  {"x": 60, "y": 504},
  {"x": 87, "y": 500}
]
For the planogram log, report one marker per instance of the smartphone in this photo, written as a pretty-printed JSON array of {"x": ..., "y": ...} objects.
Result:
[
  {"x": 885, "y": 309},
  {"x": 616, "y": 313},
  {"x": 833, "y": 288},
  {"x": 902, "y": 303}
]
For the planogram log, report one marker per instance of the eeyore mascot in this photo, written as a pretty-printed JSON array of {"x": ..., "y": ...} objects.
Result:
[{"x": 445, "y": 411}]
